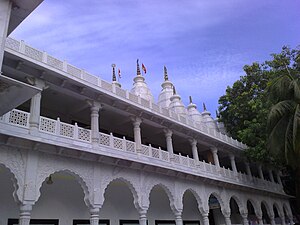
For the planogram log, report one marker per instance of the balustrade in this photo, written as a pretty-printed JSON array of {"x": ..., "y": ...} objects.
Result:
[
  {"x": 20, "y": 118},
  {"x": 20, "y": 46}
]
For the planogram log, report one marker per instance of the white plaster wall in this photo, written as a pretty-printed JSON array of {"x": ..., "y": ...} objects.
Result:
[{"x": 8, "y": 207}]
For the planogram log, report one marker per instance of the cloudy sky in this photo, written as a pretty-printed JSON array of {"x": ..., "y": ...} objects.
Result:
[{"x": 203, "y": 43}]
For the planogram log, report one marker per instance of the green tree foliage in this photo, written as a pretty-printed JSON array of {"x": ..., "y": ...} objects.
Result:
[
  {"x": 262, "y": 109},
  {"x": 245, "y": 107}
]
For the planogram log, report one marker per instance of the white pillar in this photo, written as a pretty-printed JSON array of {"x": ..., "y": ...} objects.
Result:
[
  {"x": 25, "y": 214},
  {"x": 168, "y": 135},
  {"x": 94, "y": 216},
  {"x": 194, "y": 149},
  {"x": 272, "y": 220},
  {"x": 95, "y": 108},
  {"x": 178, "y": 218},
  {"x": 245, "y": 218},
  {"x": 35, "y": 105},
  {"x": 5, "y": 10},
  {"x": 214, "y": 151},
  {"x": 271, "y": 175},
  {"x": 143, "y": 217},
  {"x": 226, "y": 213},
  {"x": 205, "y": 218},
  {"x": 233, "y": 165},
  {"x": 282, "y": 220},
  {"x": 248, "y": 169},
  {"x": 260, "y": 172},
  {"x": 260, "y": 220},
  {"x": 278, "y": 177},
  {"x": 136, "y": 121}
]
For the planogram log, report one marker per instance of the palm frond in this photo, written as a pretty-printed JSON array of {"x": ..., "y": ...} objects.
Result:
[
  {"x": 278, "y": 111},
  {"x": 296, "y": 131}
]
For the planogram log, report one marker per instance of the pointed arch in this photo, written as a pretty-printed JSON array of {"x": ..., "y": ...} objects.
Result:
[
  {"x": 14, "y": 180},
  {"x": 131, "y": 187},
  {"x": 167, "y": 191},
  {"x": 219, "y": 198},
  {"x": 268, "y": 208},
  {"x": 77, "y": 177},
  {"x": 255, "y": 206},
  {"x": 242, "y": 208},
  {"x": 197, "y": 197}
]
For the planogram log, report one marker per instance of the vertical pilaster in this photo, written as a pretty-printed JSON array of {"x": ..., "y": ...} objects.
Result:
[
  {"x": 271, "y": 175},
  {"x": 168, "y": 135},
  {"x": 260, "y": 172},
  {"x": 205, "y": 218},
  {"x": 278, "y": 174},
  {"x": 178, "y": 218},
  {"x": 95, "y": 108},
  {"x": 248, "y": 169},
  {"x": 94, "y": 216},
  {"x": 194, "y": 149},
  {"x": 35, "y": 105},
  {"x": 282, "y": 220},
  {"x": 143, "y": 217},
  {"x": 233, "y": 164},
  {"x": 272, "y": 220},
  {"x": 245, "y": 218},
  {"x": 214, "y": 151},
  {"x": 260, "y": 220},
  {"x": 136, "y": 122},
  {"x": 25, "y": 214},
  {"x": 5, "y": 10}
]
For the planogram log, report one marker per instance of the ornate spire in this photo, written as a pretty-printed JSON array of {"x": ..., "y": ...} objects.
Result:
[
  {"x": 204, "y": 107},
  {"x": 191, "y": 101},
  {"x": 138, "y": 71},
  {"x": 174, "y": 90},
  {"x": 165, "y": 73},
  {"x": 114, "y": 78}
]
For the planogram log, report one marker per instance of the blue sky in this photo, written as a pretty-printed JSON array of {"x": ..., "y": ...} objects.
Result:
[{"x": 203, "y": 43}]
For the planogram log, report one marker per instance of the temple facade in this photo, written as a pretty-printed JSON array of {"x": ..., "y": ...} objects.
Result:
[{"x": 76, "y": 149}]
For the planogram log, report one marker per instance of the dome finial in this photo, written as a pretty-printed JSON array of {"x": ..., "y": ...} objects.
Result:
[
  {"x": 165, "y": 73},
  {"x": 191, "y": 101},
  {"x": 174, "y": 90},
  {"x": 138, "y": 71},
  {"x": 204, "y": 107},
  {"x": 114, "y": 78}
]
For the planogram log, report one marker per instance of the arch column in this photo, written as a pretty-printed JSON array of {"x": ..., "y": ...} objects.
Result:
[
  {"x": 245, "y": 218},
  {"x": 143, "y": 217},
  {"x": 233, "y": 164},
  {"x": 25, "y": 214},
  {"x": 282, "y": 218},
  {"x": 260, "y": 220},
  {"x": 260, "y": 172},
  {"x": 214, "y": 151},
  {"x": 272, "y": 220},
  {"x": 95, "y": 108},
  {"x": 248, "y": 169},
  {"x": 168, "y": 135},
  {"x": 136, "y": 122},
  {"x": 178, "y": 217},
  {"x": 271, "y": 175},
  {"x": 94, "y": 216},
  {"x": 35, "y": 105},
  {"x": 278, "y": 174},
  {"x": 205, "y": 218},
  {"x": 226, "y": 213},
  {"x": 194, "y": 149}
]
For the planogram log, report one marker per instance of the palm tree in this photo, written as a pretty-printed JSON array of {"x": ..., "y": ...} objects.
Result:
[{"x": 283, "y": 124}]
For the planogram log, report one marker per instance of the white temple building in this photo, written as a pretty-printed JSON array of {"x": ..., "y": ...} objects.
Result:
[{"x": 75, "y": 149}]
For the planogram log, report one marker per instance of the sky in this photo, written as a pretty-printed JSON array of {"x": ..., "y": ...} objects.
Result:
[{"x": 203, "y": 43}]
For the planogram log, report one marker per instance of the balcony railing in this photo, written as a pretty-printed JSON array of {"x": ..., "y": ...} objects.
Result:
[
  {"x": 76, "y": 73},
  {"x": 49, "y": 126}
]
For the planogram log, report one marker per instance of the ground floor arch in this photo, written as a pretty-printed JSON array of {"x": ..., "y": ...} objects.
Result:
[{"x": 9, "y": 207}]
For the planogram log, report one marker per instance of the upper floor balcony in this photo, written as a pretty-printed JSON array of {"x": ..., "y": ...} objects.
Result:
[{"x": 63, "y": 135}]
